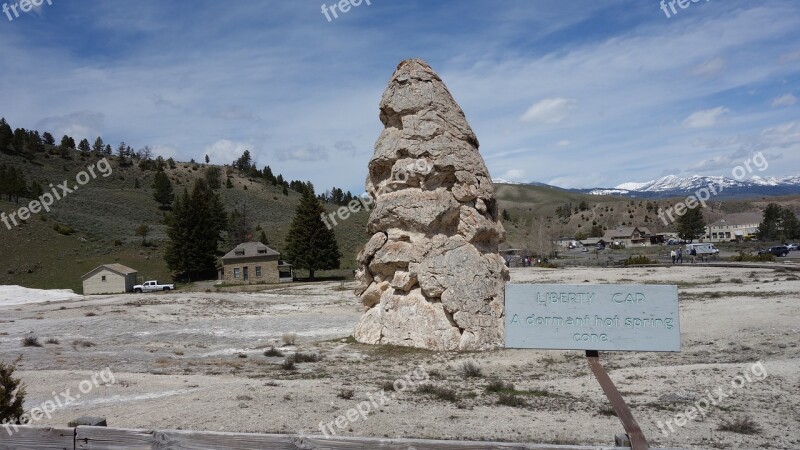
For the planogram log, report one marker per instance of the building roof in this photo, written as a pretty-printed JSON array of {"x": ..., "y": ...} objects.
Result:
[
  {"x": 743, "y": 218},
  {"x": 250, "y": 249},
  {"x": 592, "y": 241},
  {"x": 624, "y": 232},
  {"x": 116, "y": 268}
]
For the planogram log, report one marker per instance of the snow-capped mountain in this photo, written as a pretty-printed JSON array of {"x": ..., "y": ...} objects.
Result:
[{"x": 672, "y": 185}]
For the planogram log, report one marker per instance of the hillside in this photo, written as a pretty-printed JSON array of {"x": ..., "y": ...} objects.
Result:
[
  {"x": 528, "y": 206},
  {"x": 105, "y": 212}
]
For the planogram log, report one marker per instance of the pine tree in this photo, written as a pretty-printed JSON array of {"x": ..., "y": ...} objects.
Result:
[
  {"x": 263, "y": 238},
  {"x": 195, "y": 229},
  {"x": 6, "y": 135},
  {"x": 310, "y": 245},
  {"x": 164, "y": 193},
  {"x": 12, "y": 394},
  {"x": 778, "y": 224},
  {"x": 107, "y": 151},
  {"x": 48, "y": 138},
  {"x": 84, "y": 147},
  {"x": 229, "y": 183},
  {"x": 691, "y": 225},
  {"x": 208, "y": 159},
  {"x": 67, "y": 142},
  {"x": 99, "y": 145}
]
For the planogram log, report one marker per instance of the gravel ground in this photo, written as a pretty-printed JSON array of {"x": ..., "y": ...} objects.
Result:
[{"x": 195, "y": 360}]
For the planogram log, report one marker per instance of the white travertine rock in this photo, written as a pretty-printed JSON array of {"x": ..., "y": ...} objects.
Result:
[{"x": 430, "y": 276}]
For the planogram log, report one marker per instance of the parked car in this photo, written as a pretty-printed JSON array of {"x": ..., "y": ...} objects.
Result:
[
  {"x": 779, "y": 250},
  {"x": 151, "y": 286},
  {"x": 793, "y": 246}
]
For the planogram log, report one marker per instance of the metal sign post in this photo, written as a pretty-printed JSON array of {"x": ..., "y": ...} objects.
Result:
[
  {"x": 638, "y": 441},
  {"x": 594, "y": 318}
]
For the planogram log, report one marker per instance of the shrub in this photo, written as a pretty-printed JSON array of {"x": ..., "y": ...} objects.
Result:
[
  {"x": 306, "y": 357},
  {"x": 12, "y": 394},
  {"x": 346, "y": 394},
  {"x": 498, "y": 386},
  {"x": 31, "y": 341},
  {"x": 442, "y": 393},
  {"x": 511, "y": 400},
  {"x": 52, "y": 341},
  {"x": 272, "y": 351},
  {"x": 66, "y": 230},
  {"x": 638, "y": 260},
  {"x": 289, "y": 338},
  {"x": 470, "y": 369},
  {"x": 387, "y": 386},
  {"x": 746, "y": 257},
  {"x": 288, "y": 363},
  {"x": 741, "y": 425}
]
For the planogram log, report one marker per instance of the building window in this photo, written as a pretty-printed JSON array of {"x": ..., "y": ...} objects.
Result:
[
  {"x": 236, "y": 273},
  {"x": 258, "y": 271},
  {"x": 104, "y": 278}
]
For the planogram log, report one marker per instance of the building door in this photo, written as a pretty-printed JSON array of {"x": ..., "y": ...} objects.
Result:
[{"x": 244, "y": 274}]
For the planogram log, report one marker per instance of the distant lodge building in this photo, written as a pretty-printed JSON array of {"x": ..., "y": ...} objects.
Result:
[
  {"x": 734, "y": 227},
  {"x": 109, "y": 279},
  {"x": 626, "y": 236},
  {"x": 254, "y": 262}
]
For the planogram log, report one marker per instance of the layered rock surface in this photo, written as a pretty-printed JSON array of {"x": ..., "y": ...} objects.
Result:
[{"x": 430, "y": 275}]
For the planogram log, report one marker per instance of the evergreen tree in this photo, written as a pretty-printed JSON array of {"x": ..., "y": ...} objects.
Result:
[
  {"x": 99, "y": 145},
  {"x": 108, "y": 151},
  {"x": 12, "y": 394},
  {"x": 310, "y": 245},
  {"x": 263, "y": 238},
  {"x": 68, "y": 142},
  {"x": 48, "y": 138},
  {"x": 213, "y": 176},
  {"x": 163, "y": 189},
  {"x": 84, "y": 147},
  {"x": 208, "y": 159},
  {"x": 6, "y": 136},
  {"x": 691, "y": 225},
  {"x": 195, "y": 230},
  {"x": 229, "y": 183},
  {"x": 778, "y": 224},
  {"x": 122, "y": 153}
]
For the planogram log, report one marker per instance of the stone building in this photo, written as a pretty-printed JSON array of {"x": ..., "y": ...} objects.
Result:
[
  {"x": 254, "y": 262},
  {"x": 109, "y": 279}
]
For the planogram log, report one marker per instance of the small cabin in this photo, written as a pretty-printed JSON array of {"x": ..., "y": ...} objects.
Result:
[{"x": 109, "y": 279}]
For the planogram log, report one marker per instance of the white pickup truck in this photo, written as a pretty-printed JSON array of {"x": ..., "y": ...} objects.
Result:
[{"x": 150, "y": 286}]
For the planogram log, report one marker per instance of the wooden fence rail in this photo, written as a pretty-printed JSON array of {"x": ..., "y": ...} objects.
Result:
[{"x": 103, "y": 438}]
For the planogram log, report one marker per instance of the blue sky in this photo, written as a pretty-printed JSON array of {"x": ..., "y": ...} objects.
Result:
[{"x": 577, "y": 94}]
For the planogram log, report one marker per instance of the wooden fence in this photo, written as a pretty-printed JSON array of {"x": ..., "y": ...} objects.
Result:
[{"x": 102, "y": 438}]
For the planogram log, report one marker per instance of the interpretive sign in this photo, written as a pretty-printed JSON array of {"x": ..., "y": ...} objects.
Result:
[{"x": 630, "y": 317}]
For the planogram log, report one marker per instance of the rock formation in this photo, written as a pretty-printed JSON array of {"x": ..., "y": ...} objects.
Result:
[{"x": 430, "y": 275}]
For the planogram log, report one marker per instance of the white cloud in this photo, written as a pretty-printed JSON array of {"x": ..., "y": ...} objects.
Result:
[
  {"x": 302, "y": 153},
  {"x": 78, "y": 125},
  {"x": 549, "y": 110},
  {"x": 705, "y": 118},
  {"x": 710, "y": 68},
  {"x": 784, "y": 100},
  {"x": 564, "y": 143},
  {"x": 225, "y": 151},
  {"x": 790, "y": 57},
  {"x": 514, "y": 175}
]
